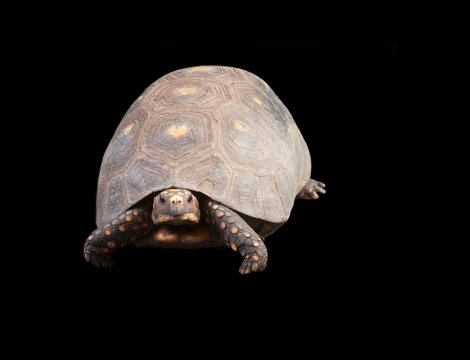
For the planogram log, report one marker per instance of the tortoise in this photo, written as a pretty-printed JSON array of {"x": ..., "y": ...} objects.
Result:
[{"x": 206, "y": 156}]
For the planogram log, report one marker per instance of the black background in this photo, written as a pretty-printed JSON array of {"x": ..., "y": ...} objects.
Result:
[{"x": 341, "y": 254}]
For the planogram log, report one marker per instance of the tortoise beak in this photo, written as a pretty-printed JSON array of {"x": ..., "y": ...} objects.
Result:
[{"x": 188, "y": 218}]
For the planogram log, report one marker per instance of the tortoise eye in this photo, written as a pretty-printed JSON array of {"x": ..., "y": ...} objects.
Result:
[
  {"x": 190, "y": 197},
  {"x": 161, "y": 198}
]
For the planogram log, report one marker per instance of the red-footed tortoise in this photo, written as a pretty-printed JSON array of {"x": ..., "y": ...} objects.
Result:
[{"x": 210, "y": 142}]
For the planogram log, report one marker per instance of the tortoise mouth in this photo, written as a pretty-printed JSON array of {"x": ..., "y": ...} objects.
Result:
[{"x": 189, "y": 218}]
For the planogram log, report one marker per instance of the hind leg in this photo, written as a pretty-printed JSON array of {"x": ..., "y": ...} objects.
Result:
[{"x": 311, "y": 189}]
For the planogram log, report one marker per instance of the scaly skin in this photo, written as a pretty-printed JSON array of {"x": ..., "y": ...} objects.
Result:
[
  {"x": 124, "y": 230},
  {"x": 238, "y": 235}
]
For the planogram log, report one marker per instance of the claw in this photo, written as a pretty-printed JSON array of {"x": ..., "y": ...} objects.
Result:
[
  {"x": 87, "y": 256},
  {"x": 250, "y": 266},
  {"x": 244, "y": 269}
]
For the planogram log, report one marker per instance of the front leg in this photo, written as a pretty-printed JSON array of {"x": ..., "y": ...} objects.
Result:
[
  {"x": 122, "y": 231},
  {"x": 311, "y": 189},
  {"x": 238, "y": 235}
]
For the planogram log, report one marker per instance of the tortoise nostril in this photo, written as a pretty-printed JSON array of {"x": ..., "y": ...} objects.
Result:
[{"x": 176, "y": 199}]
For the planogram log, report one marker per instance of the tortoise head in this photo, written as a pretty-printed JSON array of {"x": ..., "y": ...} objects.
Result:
[{"x": 175, "y": 207}]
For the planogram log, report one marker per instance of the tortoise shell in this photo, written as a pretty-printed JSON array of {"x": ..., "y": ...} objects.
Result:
[{"x": 217, "y": 130}]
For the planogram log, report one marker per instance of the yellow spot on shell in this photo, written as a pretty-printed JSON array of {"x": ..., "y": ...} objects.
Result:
[
  {"x": 187, "y": 91},
  {"x": 128, "y": 129},
  {"x": 256, "y": 100},
  {"x": 198, "y": 68},
  {"x": 165, "y": 234},
  {"x": 265, "y": 83},
  {"x": 239, "y": 126},
  {"x": 197, "y": 234},
  {"x": 178, "y": 132}
]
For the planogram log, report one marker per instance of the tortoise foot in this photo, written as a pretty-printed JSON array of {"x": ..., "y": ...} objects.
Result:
[
  {"x": 238, "y": 235},
  {"x": 311, "y": 190},
  {"x": 252, "y": 264},
  {"x": 99, "y": 260}
]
